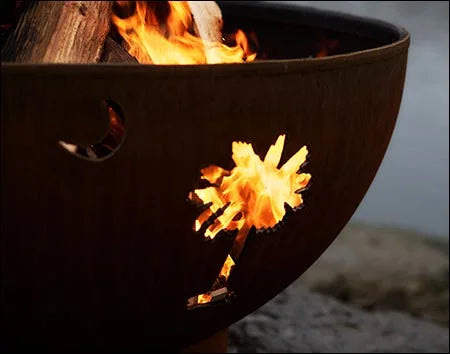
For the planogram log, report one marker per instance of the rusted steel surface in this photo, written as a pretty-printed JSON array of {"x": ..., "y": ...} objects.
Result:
[{"x": 102, "y": 253}]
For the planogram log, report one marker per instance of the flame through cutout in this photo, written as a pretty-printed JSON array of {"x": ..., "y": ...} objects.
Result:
[{"x": 253, "y": 193}]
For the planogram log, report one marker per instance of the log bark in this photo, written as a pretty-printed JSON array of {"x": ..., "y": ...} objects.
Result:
[
  {"x": 59, "y": 32},
  {"x": 113, "y": 52}
]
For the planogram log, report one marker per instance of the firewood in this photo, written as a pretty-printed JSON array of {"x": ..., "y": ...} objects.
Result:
[
  {"x": 113, "y": 52},
  {"x": 207, "y": 19},
  {"x": 219, "y": 294},
  {"x": 59, "y": 32}
]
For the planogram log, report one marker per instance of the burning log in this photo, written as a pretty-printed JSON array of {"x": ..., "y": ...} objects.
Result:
[
  {"x": 169, "y": 40},
  {"x": 207, "y": 20},
  {"x": 113, "y": 52},
  {"x": 59, "y": 32}
]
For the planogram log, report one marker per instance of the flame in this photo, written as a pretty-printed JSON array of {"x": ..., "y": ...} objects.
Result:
[
  {"x": 226, "y": 269},
  {"x": 152, "y": 41},
  {"x": 326, "y": 46},
  {"x": 322, "y": 53},
  {"x": 254, "y": 192},
  {"x": 204, "y": 298},
  {"x": 108, "y": 144}
]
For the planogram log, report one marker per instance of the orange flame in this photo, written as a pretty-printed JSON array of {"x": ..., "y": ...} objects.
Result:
[
  {"x": 322, "y": 53},
  {"x": 254, "y": 192},
  {"x": 226, "y": 269},
  {"x": 326, "y": 46},
  {"x": 152, "y": 41},
  {"x": 204, "y": 298}
]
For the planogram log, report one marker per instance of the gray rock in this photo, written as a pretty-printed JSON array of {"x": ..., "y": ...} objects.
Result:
[
  {"x": 299, "y": 320},
  {"x": 385, "y": 269}
]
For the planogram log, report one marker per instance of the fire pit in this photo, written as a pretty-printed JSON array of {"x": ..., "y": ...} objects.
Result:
[{"x": 106, "y": 252}]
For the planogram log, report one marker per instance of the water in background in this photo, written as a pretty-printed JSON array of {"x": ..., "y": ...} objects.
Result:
[{"x": 411, "y": 189}]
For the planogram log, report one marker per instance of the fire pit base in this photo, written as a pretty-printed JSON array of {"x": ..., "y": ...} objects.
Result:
[{"x": 217, "y": 343}]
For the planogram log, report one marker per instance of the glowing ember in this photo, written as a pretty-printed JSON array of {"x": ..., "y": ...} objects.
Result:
[
  {"x": 204, "y": 298},
  {"x": 171, "y": 41},
  {"x": 253, "y": 193},
  {"x": 326, "y": 46}
]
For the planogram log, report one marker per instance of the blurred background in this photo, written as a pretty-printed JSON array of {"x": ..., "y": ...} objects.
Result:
[
  {"x": 411, "y": 189},
  {"x": 382, "y": 286}
]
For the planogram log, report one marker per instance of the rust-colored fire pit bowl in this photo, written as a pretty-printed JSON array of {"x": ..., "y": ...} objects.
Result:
[{"x": 107, "y": 253}]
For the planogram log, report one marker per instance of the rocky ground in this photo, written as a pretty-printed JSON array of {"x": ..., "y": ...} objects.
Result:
[
  {"x": 373, "y": 290},
  {"x": 385, "y": 269}
]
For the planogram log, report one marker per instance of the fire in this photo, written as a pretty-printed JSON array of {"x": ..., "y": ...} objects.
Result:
[
  {"x": 326, "y": 46},
  {"x": 204, "y": 298},
  {"x": 108, "y": 144},
  {"x": 226, "y": 269},
  {"x": 254, "y": 192},
  {"x": 171, "y": 41}
]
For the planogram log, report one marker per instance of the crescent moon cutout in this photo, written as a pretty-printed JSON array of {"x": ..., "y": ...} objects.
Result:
[{"x": 111, "y": 141}]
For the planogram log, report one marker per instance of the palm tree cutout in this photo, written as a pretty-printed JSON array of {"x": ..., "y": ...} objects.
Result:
[{"x": 253, "y": 193}]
